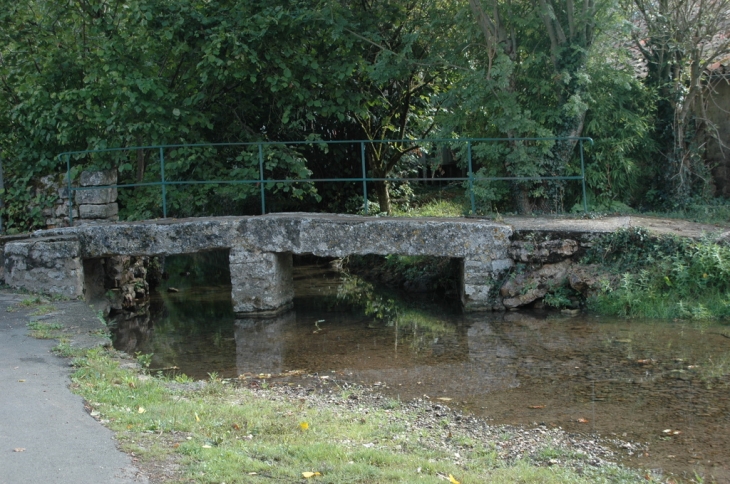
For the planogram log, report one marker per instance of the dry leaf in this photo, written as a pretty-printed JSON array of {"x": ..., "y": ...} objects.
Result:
[
  {"x": 197, "y": 419},
  {"x": 452, "y": 480},
  {"x": 236, "y": 426},
  {"x": 175, "y": 445},
  {"x": 206, "y": 446},
  {"x": 19, "y": 449},
  {"x": 252, "y": 473},
  {"x": 536, "y": 407},
  {"x": 582, "y": 420},
  {"x": 444, "y": 399},
  {"x": 21, "y": 381},
  {"x": 307, "y": 475},
  {"x": 304, "y": 425},
  {"x": 141, "y": 410}
]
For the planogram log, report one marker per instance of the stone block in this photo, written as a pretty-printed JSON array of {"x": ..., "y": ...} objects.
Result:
[
  {"x": 98, "y": 178},
  {"x": 45, "y": 265},
  {"x": 98, "y": 196},
  {"x": 98, "y": 211},
  {"x": 261, "y": 282}
]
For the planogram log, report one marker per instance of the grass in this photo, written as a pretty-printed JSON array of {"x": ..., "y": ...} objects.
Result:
[
  {"x": 224, "y": 433},
  {"x": 42, "y": 330},
  {"x": 434, "y": 208},
  {"x": 662, "y": 277}
]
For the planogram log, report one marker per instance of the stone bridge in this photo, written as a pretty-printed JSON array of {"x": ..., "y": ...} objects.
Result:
[{"x": 59, "y": 261}]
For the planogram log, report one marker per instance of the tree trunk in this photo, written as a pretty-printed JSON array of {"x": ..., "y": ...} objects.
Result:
[{"x": 381, "y": 189}]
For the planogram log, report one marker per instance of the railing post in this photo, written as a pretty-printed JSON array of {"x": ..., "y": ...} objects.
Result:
[
  {"x": 70, "y": 193},
  {"x": 471, "y": 178},
  {"x": 164, "y": 183},
  {"x": 261, "y": 179},
  {"x": 583, "y": 178},
  {"x": 364, "y": 176}
]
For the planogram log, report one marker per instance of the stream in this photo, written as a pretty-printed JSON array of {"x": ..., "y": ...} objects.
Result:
[{"x": 663, "y": 384}]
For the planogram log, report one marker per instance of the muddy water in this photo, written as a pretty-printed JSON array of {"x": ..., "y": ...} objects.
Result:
[{"x": 664, "y": 384}]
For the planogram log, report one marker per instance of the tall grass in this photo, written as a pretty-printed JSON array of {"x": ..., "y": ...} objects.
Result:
[{"x": 663, "y": 276}]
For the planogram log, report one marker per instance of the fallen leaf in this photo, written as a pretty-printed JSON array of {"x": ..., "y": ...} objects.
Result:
[
  {"x": 304, "y": 425},
  {"x": 197, "y": 419},
  {"x": 453, "y": 480},
  {"x": 536, "y": 407},
  {"x": 236, "y": 426},
  {"x": 582, "y": 420},
  {"x": 19, "y": 449},
  {"x": 307, "y": 475},
  {"x": 444, "y": 399},
  {"x": 175, "y": 445},
  {"x": 141, "y": 410},
  {"x": 21, "y": 381},
  {"x": 252, "y": 473},
  {"x": 206, "y": 446}
]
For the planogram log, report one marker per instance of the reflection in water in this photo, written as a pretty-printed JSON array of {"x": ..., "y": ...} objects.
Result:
[
  {"x": 629, "y": 379},
  {"x": 260, "y": 343}
]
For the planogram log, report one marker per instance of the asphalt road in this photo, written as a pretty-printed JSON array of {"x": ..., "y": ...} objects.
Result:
[{"x": 46, "y": 436}]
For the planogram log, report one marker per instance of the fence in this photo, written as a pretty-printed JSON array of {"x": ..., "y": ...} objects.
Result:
[{"x": 264, "y": 181}]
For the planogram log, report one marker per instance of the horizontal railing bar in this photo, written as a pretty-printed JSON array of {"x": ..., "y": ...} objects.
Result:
[
  {"x": 323, "y": 180},
  {"x": 273, "y": 143}
]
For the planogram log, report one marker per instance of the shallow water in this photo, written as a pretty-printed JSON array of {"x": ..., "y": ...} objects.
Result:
[{"x": 666, "y": 384}]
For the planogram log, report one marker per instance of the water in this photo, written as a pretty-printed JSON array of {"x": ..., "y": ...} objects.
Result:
[{"x": 666, "y": 384}]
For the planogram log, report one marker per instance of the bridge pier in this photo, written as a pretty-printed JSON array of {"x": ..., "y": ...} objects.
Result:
[
  {"x": 480, "y": 283},
  {"x": 261, "y": 282}
]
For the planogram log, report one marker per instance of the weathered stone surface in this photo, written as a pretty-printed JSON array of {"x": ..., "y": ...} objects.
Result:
[
  {"x": 588, "y": 280},
  {"x": 97, "y": 196},
  {"x": 528, "y": 287},
  {"x": 98, "y": 178},
  {"x": 319, "y": 234},
  {"x": 47, "y": 265},
  {"x": 261, "y": 282},
  {"x": 543, "y": 252},
  {"x": 480, "y": 283},
  {"x": 98, "y": 211}
]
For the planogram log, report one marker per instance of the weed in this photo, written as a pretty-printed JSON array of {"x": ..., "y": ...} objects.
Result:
[
  {"x": 64, "y": 350},
  {"x": 145, "y": 360},
  {"x": 662, "y": 276},
  {"x": 43, "y": 310},
  {"x": 42, "y": 330},
  {"x": 31, "y": 301}
]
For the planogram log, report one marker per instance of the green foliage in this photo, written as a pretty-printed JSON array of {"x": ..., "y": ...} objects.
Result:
[{"x": 663, "y": 277}]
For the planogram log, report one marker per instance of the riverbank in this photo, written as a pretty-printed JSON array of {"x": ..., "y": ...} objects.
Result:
[
  {"x": 281, "y": 428},
  {"x": 286, "y": 428}
]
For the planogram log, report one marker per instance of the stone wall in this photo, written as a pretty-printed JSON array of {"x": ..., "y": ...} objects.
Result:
[{"x": 95, "y": 198}]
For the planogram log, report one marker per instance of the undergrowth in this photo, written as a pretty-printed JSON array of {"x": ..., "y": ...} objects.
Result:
[{"x": 662, "y": 276}]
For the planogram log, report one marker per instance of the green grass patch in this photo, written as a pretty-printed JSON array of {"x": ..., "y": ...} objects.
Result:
[
  {"x": 225, "y": 433},
  {"x": 662, "y": 276},
  {"x": 43, "y": 330},
  {"x": 434, "y": 208},
  {"x": 43, "y": 309}
]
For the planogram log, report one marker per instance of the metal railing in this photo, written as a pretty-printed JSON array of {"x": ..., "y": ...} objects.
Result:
[{"x": 262, "y": 181}]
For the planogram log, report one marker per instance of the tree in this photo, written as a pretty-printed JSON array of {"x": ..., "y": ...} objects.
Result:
[
  {"x": 397, "y": 78},
  {"x": 528, "y": 78},
  {"x": 679, "y": 40}
]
